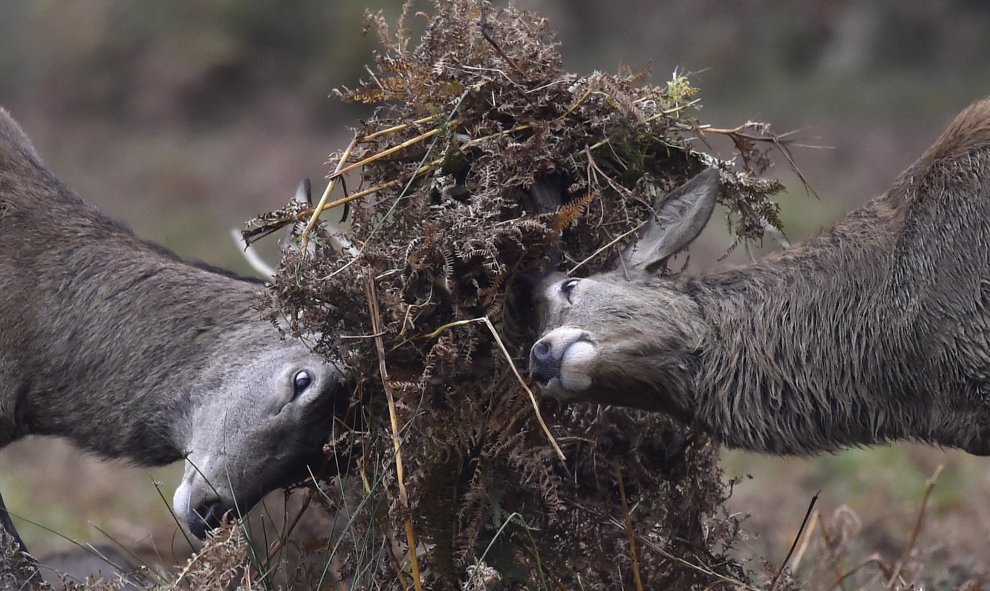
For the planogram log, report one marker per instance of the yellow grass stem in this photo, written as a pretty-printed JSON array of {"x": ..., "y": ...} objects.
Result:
[
  {"x": 376, "y": 324},
  {"x": 795, "y": 562},
  {"x": 629, "y": 532},
  {"x": 681, "y": 107},
  {"x": 395, "y": 128},
  {"x": 929, "y": 485},
  {"x": 326, "y": 194},
  {"x": 340, "y": 171},
  {"x": 508, "y": 358},
  {"x": 375, "y": 189},
  {"x": 390, "y": 151}
]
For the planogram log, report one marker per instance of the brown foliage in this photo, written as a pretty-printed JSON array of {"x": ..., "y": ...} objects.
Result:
[{"x": 468, "y": 120}]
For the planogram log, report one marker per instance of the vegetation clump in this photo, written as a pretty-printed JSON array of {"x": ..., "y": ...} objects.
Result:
[{"x": 457, "y": 485}]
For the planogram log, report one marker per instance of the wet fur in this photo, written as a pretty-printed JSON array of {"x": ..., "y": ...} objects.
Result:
[{"x": 877, "y": 330}]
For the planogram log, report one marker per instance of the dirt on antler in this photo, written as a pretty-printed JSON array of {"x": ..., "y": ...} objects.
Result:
[{"x": 468, "y": 119}]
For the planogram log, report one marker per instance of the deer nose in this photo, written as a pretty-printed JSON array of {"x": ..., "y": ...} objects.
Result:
[
  {"x": 543, "y": 364},
  {"x": 541, "y": 351},
  {"x": 207, "y": 518}
]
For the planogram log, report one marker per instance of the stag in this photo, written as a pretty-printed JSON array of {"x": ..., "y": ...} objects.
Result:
[
  {"x": 129, "y": 352},
  {"x": 877, "y": 330}
]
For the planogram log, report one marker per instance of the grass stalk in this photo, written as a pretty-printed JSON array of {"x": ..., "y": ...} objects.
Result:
[
  {"x": 512, "y": 366},
  {"x": 326, "y": 194},
  {"x": 376, "y": 324}
]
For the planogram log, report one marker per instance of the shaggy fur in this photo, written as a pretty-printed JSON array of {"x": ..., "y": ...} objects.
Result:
[{"x": 877, "y": 330}]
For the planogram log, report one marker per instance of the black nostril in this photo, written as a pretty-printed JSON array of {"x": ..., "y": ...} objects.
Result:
[
  {"x": 208, "y": 517},
  {"x": 541, "y": 351}
]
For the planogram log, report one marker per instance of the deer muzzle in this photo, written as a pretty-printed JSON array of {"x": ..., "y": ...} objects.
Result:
[{"x": 562, "y": 360}]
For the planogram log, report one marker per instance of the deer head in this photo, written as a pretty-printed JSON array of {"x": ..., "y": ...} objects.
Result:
[{"x": 598, "y": 331}]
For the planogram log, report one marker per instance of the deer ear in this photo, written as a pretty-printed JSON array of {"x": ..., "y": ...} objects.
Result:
[{"x": 677, "y": 221}]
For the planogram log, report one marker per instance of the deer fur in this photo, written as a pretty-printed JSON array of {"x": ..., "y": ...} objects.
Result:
[
  {"x": 130, "y": 352},
  {"x": 877, "y": 330}
]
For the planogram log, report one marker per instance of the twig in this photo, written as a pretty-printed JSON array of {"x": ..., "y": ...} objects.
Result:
[
  {"x": 804, "y": 522},
  {"x": 376, "y": 324},
  {"x": 284, "y": 538},
  {"x": 779, "y": 141},
  {"x": 929, "y": 485},
  {"x": 607, "y": 246},
  {"x": 326, "y": 194},
  {"x": 486, "y": 33},
  {"x": 512, "y": 366},
  {"x": 672, "y": 110},
  {"x": 629, "y": 532}
]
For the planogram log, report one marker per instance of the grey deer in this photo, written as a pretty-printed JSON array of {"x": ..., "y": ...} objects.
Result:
[
  {"x": 877, "y": 330},
  {"x": 129, "y": 352}
]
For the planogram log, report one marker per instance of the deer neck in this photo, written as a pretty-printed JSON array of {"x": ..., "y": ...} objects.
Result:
[
  {"x": 792, "y": 358},
  {"x": 125, "y": 333}
]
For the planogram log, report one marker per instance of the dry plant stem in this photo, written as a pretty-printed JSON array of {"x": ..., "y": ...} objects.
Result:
[
  {"x": 323, "y": 205},
  {"x": 395, "y": 128},
  {"x": 392, "y": 150},
  {"x": 700, "y": 568},
  {"x": 830, "y": 544},
  {"x": 372, "y": 190},
  {"x": 284, "y": 538},
  {"x": 804, "y": 523},
  {"x": 512, "y": 366},
  {"x": 873, "y": 559},
  {"x": 610, "y": 244},
  {"x": 778, "y": 141},
  {"x": 929, "y": 485},
  {"x": 808, "y": 535},
  {"x": 376, "y": 327},
  {"x": 672, "y": 110},
  {"x": 326, "y": 194},
  {"x": 629, "y": 532}
]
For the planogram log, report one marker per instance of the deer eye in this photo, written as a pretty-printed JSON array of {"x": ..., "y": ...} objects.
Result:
[
  {"x": 300, "y": 382},
  {"x": 567, "y": 288}
]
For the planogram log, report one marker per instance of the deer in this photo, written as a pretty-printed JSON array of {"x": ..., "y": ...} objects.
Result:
[
  {"x": 130, "y": 352},
  {"x": 875, "y": 331}
]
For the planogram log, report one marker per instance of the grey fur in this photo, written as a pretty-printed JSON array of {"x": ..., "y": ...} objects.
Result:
[
  {"x": 121, "y": 347},
  {"x": 877, "y": 330}
]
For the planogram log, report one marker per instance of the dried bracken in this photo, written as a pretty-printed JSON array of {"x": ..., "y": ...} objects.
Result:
[
  {"x": 15, "y": 566},
  {"x": 468, "y": 120},
  {"x": 220, "y": 564}
]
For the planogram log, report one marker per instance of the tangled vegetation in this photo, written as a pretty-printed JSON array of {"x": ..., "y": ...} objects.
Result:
[
  {"x": 424, "y": 303},
  {"x": 457, "y": 478}
]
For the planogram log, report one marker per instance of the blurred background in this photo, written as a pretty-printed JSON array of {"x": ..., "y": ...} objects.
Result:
[{"x": 185, "y": 119}]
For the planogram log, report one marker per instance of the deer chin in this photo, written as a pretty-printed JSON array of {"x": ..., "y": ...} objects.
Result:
[{"x": 574, "y": 365}]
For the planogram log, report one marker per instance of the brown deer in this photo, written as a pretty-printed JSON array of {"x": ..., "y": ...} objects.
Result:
[
  {"x": 130, "y": 352},
  {"x": 877, "y": 330}
]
